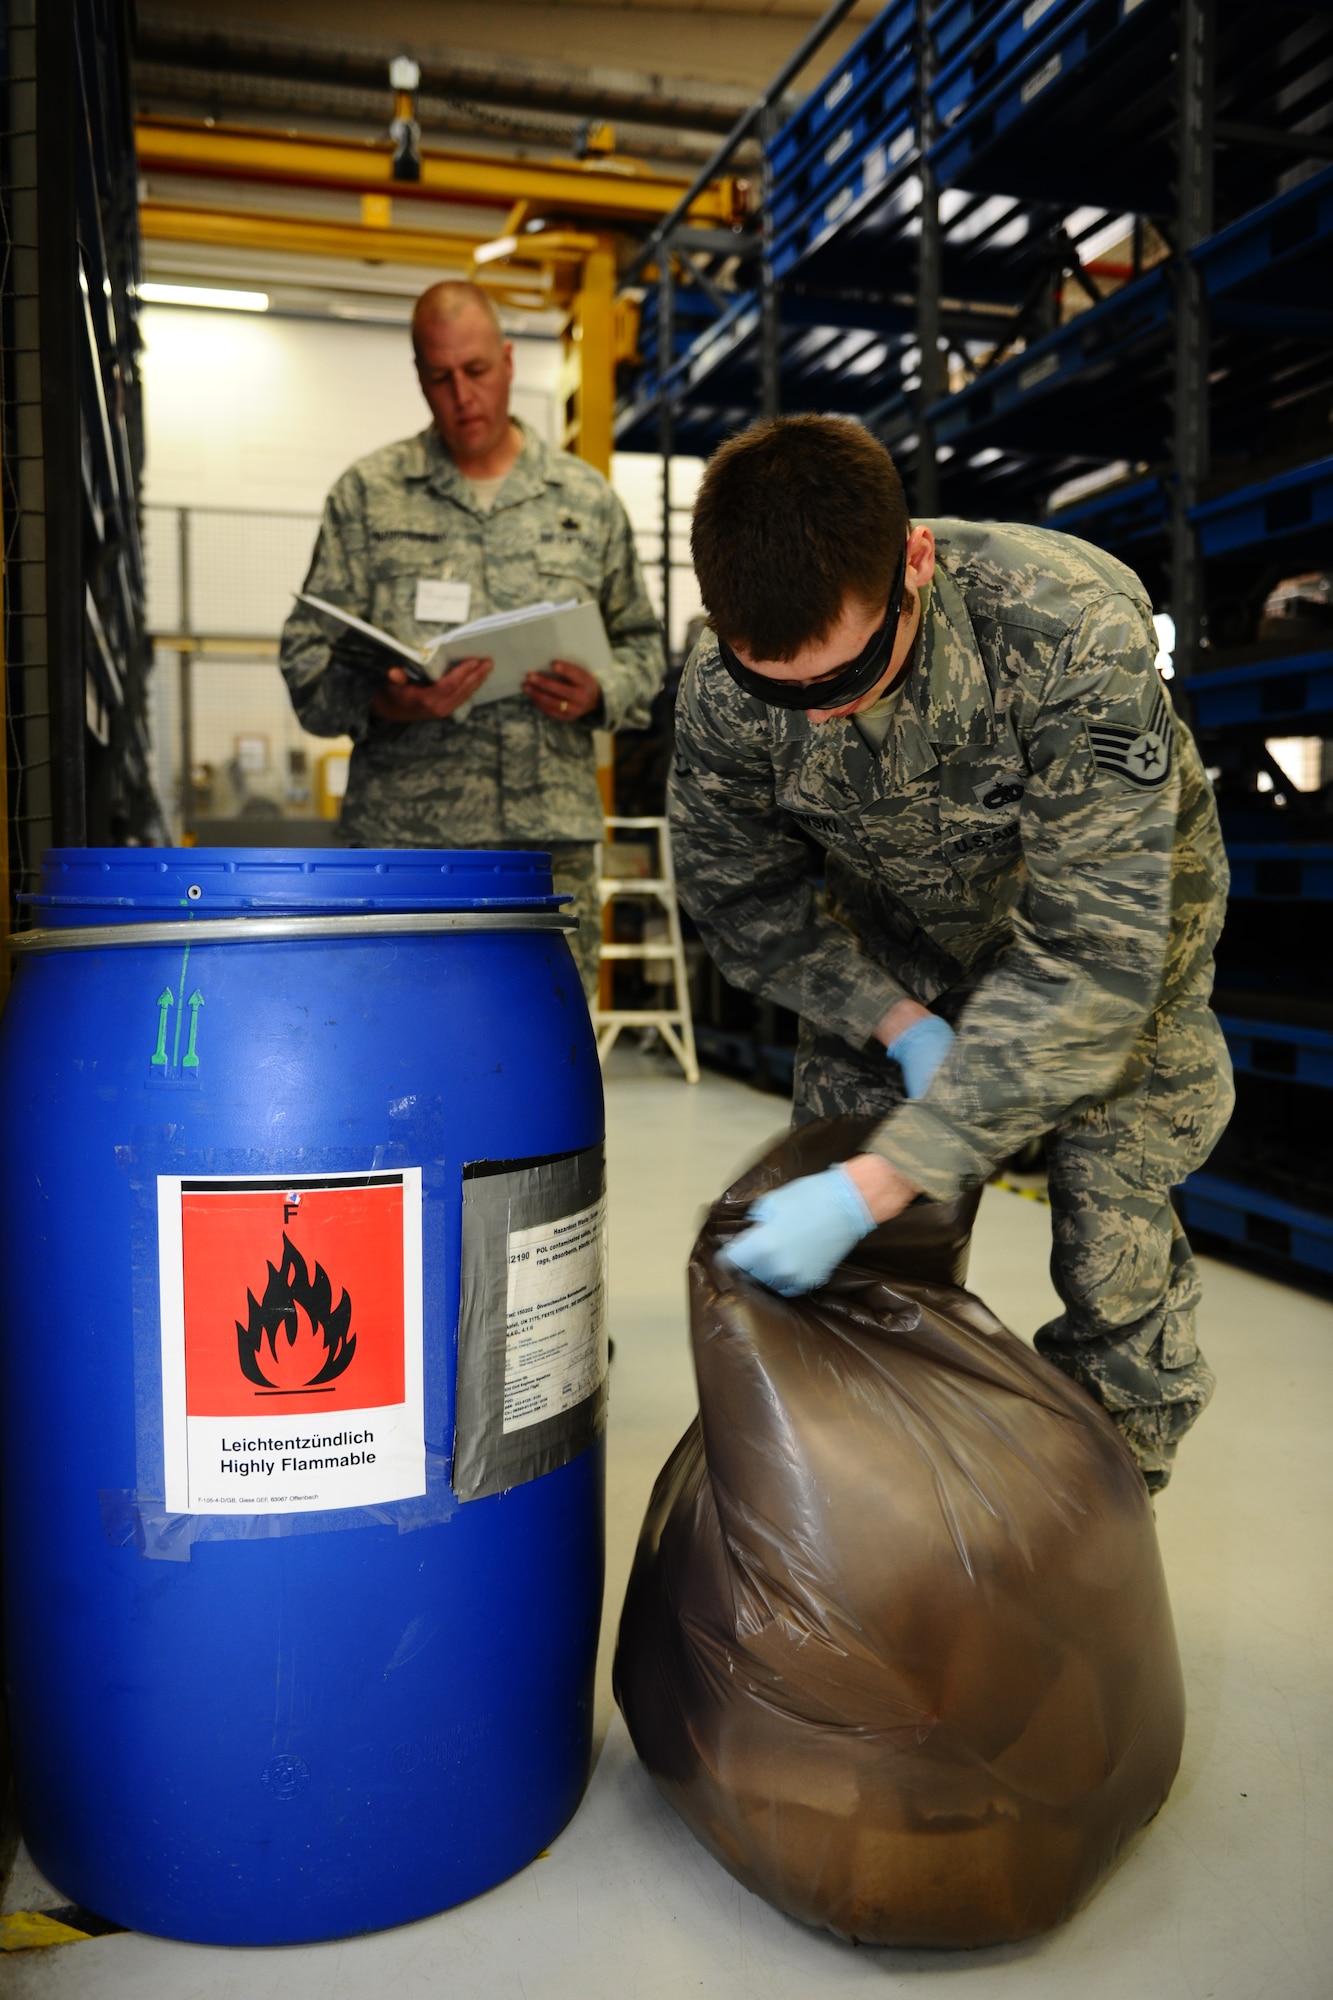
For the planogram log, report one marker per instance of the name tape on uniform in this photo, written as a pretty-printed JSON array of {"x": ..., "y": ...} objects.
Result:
[{"x": 442, "y": 600}]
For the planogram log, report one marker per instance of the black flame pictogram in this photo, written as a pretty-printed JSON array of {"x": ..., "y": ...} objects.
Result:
[{"x": 295, "y": 1308}]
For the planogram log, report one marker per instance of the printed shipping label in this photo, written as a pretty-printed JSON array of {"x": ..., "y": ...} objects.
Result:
[
  {"x": 442, "y": 601},
  {"x": 1039, "y": 79},
  {"x": 291, "y": 1320},
  {"x": 833, "y": 98},
  {"x": 1039, "y": 371},
  {"x": 555, "y": 1336}
]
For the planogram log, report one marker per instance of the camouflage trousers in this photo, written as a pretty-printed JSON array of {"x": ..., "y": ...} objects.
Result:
[
  {"x": 1120, "y": 1261},
  {"x": 574, "y": 867}
]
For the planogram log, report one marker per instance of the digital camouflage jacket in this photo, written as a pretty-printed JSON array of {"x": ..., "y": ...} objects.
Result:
[
  {"x": 1035, "y": 852},
  {"x": 556, "y": 530}
]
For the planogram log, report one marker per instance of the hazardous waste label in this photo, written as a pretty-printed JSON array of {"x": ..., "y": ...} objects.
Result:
[
  {"x": 555, "y": 1332},
  {"x": 291, "y": 1342}
]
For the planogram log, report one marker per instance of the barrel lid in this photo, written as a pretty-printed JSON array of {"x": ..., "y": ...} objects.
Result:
[{"x": 81, "y": 885}]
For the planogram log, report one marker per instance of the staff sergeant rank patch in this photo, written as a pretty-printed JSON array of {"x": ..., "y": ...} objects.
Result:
[{"x": 1141, "y": 757}]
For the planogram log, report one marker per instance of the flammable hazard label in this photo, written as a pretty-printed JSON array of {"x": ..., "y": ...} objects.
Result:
[{"x": 291, "y": 1342}]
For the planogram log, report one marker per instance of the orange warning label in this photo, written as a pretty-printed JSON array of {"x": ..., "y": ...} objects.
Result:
[{"x": 293, "y": 1299}]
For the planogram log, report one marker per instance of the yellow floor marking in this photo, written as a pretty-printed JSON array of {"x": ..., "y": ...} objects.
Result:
[
  {"x": 25, "y": 1930},
  {"x": 1028, "y": 1193}
]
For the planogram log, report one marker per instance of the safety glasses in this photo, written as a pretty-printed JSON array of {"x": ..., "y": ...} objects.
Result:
[{"x": 844, "y": 684}]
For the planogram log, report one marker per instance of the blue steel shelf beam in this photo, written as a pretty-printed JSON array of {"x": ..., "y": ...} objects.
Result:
[
  {"x": 1288, "y": 695},
  {"x": 1293, "y": 508},
  {"x": 1280, "y": 1049},
  {"x": 828, "y": 358},
  {"x": 1280, "y": 873},
  {"x": 1254, "y": 1220}
]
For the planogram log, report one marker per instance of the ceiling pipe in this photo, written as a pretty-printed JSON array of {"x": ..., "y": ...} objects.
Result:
[
  {"x": 183, "y": 41},
  {"x": 163, "y": 88}
]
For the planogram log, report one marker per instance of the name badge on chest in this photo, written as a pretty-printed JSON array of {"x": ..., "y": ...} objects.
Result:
[{"x": 442, "y": 600}]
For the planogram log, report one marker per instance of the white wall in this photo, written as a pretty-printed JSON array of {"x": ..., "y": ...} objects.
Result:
[
  {"x": 637, "y": 478},
  {"x": 252, "y": 410}
]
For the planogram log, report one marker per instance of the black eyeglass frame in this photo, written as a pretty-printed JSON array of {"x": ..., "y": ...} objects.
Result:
[{"x": 846, "y": 683}]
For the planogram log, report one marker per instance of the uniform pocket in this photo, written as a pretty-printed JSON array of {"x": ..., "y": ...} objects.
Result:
[
  {"x": 568, "y": 570},
  {"x": 1188, "y": 1094}
]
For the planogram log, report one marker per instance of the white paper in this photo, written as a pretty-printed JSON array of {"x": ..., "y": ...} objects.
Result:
[
  {"x": 442, "y": 600},
  {"x": 521, "y": 643},
  {"x": 518, "y": 643},
  {"x": 555, "y": 1340}
]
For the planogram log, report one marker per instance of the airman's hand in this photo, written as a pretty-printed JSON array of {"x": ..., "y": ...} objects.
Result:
[
  {"x": 564, "y": 692},
  {"x": 402, "y": 700}
]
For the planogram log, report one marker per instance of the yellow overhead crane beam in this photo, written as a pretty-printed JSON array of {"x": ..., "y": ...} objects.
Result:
[
  {"x": 611, "y": 191},
  {"x": 542, "y": 269},
  {"x": 303, "y": 236},
  {"x": 527, "y": 267}
]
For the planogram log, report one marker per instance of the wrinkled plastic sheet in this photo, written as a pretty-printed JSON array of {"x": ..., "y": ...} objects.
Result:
[{"x": 897, "y": 1645}]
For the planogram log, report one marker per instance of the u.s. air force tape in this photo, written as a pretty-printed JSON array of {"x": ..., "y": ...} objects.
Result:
[{"x": 1140, "y": 756}]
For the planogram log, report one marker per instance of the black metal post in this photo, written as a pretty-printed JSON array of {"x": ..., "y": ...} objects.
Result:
[
  {"x": 770, "y": 304},
  {"x": 666, "y": 418},
  {"x": 185, "y": 624},
  {"x": 795, "y": 63},
  {"x": 928, "y": 278},
  {"x": 1194, "y": 221},
  {"x": 60, "y": 315}
]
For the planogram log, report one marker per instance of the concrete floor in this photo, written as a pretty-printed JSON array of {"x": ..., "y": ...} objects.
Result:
[{"x": 1227, "y": 1896}]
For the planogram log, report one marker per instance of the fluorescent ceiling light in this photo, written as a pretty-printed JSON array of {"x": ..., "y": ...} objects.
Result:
[
  {"x": 203, "y": 295},
  {"x": 493, "y": 252}
]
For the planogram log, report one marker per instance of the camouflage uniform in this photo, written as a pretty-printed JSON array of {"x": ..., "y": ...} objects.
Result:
[
  {"x": 1035, "y": 853},
  {"x": 505, "y": 776}
]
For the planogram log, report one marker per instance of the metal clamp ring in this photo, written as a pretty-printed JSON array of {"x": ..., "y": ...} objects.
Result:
[{"x": 286, "y": 930}]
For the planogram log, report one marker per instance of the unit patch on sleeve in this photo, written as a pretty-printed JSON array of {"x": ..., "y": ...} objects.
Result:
[{"x": 1140, "y": 756}]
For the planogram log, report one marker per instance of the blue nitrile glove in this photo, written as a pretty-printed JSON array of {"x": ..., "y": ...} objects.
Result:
[
  {"x": 920, "y": 1050},
  {"x": 801, "y": 1232}
]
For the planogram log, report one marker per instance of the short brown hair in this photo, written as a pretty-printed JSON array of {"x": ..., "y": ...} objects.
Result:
[{"x": 792, "y": 516}]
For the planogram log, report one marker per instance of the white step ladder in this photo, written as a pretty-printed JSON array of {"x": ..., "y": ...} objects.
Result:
[{"x": 674, "y": 1024}]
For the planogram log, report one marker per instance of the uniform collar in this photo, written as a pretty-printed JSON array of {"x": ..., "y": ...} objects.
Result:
[
  {"x": 948, "y": 688},
  {"x": 435, "y": 468}
]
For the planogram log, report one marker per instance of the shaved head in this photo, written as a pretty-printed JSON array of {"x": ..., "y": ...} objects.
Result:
[
  {"x": 465, "y": 367},
  {"x": 440, "y": 305}
]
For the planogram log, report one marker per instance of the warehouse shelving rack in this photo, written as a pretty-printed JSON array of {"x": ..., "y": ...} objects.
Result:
[
  {"x": 1206, "y": 351},
  {"x": 76, "y": 652},
  {"x": 1181, "y": 419}
]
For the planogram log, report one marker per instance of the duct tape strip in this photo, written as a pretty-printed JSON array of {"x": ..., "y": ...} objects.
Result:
[
  {"x": 532, "y": 1352},
  {"x": 346, "y": 1447}
]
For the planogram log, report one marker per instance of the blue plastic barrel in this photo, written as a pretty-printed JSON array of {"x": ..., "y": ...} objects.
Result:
[{"x": 303, "y": 1569}]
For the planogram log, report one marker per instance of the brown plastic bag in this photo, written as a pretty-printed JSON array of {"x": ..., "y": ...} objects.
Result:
[{"x": 897, "y": 1643}]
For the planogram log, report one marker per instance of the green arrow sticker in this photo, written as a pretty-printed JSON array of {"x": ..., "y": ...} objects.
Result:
[
  {"x": 165, "y": 1002},
  {"x": 173, "y": 1062},
  {"x": 196, "y": 1001}
]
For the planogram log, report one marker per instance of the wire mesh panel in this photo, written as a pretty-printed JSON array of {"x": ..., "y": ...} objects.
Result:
[
  {"x": 244, "y": 568},
  {"x": 230, "y": 756},
  {"x": 162, "y": 568},
  {"x": 240, "y": 569},
  {"x": 250, "y": 760}
]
